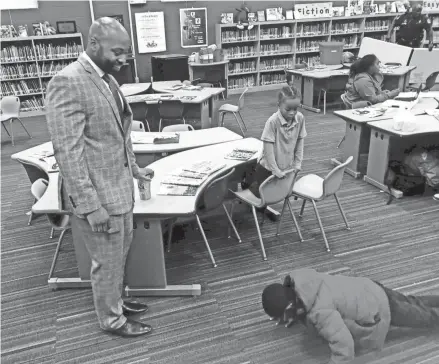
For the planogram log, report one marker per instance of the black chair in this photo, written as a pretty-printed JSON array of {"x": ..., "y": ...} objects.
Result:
[
  {"x": 171, "y": 110},
  {"x": 214, "y": 77}
]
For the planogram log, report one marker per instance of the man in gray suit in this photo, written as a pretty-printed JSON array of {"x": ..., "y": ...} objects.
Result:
[{"x": 89, "y": 121}]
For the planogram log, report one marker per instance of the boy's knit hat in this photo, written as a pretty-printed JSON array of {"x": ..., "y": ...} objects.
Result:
[{"x": 276, "y": 297}]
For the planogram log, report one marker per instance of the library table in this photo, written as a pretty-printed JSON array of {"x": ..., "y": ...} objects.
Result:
[
  {"x": 145, "y": 272},
  {"x": 129, "y": 89},
  {"x": 207, "y": 98},
  {"x": 397, "y": 77},
  {"x": 382, "y": 138},
  {"x": 357, "y": 135}
]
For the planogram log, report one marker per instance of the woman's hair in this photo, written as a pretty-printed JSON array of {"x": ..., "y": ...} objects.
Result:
[
  {"x": 289, "y": 92},
  {"x": 362, "y": 65}
]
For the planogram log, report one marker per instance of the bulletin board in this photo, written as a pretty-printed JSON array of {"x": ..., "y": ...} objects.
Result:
[
  {"x": 426, "y": 63},
  {"x": 385, "y": 51}
]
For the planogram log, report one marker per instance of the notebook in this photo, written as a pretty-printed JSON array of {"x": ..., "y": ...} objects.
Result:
[
  {"x": 240, "y": 154},
  {"x": 409, "y": 96}
]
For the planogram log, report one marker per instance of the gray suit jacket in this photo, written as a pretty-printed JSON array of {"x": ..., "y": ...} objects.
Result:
[{"x": 92, "y": 144}]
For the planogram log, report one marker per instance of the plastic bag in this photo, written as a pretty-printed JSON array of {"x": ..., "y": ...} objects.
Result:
[{"x": 427, "y": 163}]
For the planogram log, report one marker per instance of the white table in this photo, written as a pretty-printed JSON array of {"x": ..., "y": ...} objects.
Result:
[
  {"x": 129, "y": 89},
  {"x": 145, "y": 272}
]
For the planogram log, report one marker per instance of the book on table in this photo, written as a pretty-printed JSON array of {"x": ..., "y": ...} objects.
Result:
[
  {"x": 204, "y": 167},
  {"x": 240, "y": 154},
  {"x": 177, "y": 190},
  {"x": 140, "y": 137}
]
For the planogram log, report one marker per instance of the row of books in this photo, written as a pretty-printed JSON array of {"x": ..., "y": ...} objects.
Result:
[
  {"x": 272, "y": 78},
  {"x": 238, "y": 35},
  {"x": 13, "y": 53},
  {"x": 306, "y": 45},
  {"x": 52, "y": 68},
  {"x": 241, "y": 82},
  {"x": 309, "y": 60},
  {"x": 32, "y": 103},
  {"x": 245, "y": 66},
  {"x": 275, "y": 48},
  {"x": 239, "y": 51},
  {"x": 273, "y": 33},
  {"x": 20, "y": 87},
  {"x": 343, "y": 27},
  {"x": 51, "y": 51},
  {"x": 350, "y": 41},
  {"x": 378, "y": 24},
  {"x": 313, "y": 29},
  {"x": 20, "y": 70},
  {"x": 275, "y": 63}
]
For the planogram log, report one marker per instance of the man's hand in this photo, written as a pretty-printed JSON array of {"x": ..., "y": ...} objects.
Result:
[
  {"x": 279, "y": 174},
  {"x": 430, "y": 46},
  {"x": 98, "y": 220},
  {"x": 145, "y": 174}
]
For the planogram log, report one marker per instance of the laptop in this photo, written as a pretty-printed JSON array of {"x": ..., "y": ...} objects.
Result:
[{"x": 409, "y": 96}]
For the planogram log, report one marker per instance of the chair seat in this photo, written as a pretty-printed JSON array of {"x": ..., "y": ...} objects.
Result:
[
  {"x": 309, "y": 186},
  {"x": 229, "y": 108},
  {"x": 4, "y": 117},
  {"x": 248, "y": 197}
]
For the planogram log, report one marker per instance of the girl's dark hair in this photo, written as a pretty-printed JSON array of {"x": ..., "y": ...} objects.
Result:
[
  {"x": 362, "y": 65},
  {"x": 289, "y": 92}
]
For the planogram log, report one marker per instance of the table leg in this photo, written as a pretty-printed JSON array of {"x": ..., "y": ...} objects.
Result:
[
  {"x": 378, "y": 162},
  {"x": 308, "y": 94},
  {"x": 356, "y": 141},
  {"x": 145, "y": 272},
  {"x": 214, "y": 114},
  {"x": 204, "y": 114}
]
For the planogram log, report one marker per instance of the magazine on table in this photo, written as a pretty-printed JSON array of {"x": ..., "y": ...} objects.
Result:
[
  {"x": 241, "y": 154},
  {"x": 204, "y": 167},
  {"x": 177, "y": 190},
  {"x": 185, "y": 178}
]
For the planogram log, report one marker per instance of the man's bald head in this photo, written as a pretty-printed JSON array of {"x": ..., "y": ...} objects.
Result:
[{"x": 108, "y": 44}]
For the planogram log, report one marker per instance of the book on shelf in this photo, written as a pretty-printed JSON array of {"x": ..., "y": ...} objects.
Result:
[
  {"x": 177, "y": 190},
  {"x": 382, "y": 9},
  {"x": 51, "y": 68},
  {"x": 252, "y": 17},
  {"x": 21, "y": 87},
  {"x": 244, "y": 66},
  {"x": 50, "y": 51},
  {"x": 275, "y": 63},
  {"x": 272, "y": 78},
  {"x": 32, "y": 103},
  {"x": 275, "y": 33},
  {"x": 274, "y": 48},
  {"x": 229, "y": 35},
  {"x": 309, "y": 60},
  {"x": 337, "y": 11},
  {"x": 14, "y": 53},
  {"x": 239, "y": 51},
  {"x": 240, "y": 154},
  {"x": 345, "y": 27},
  {"x": 139, "y": 137},
  {"x": 241, "y": 82},
  {"x": 19, "y": 70},
  {"x": 318, "y": 28},
  {"x": 261, "y": 15},
  {"x": 226, "y": 18}
]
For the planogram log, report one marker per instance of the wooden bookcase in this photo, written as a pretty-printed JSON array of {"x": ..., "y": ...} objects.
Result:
[
  {"x": 258, "y": 58},
  {"x": 28, "y": 64}
]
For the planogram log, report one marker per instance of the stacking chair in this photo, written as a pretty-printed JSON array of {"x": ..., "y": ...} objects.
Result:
[
  {"x": 58, "y": 223},
  {"x": 212, "y": 197},
  {"x": 137, "y": 125},
  {"x": 326, "y": 90},
  {"x": 10, "y": 111},
  {"x": 272, "y": 191},
  {"x": 171, "y": 110},
  {"x": 213, "y": 79},
  {"x": 178, "y": 127},
  {"x": 235, "y": 110},
  {"x": 429, "y": 82},
  {"x": 314, "y": 188}
]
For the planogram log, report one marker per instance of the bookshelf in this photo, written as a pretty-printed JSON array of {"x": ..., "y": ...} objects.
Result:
[
  {"x": 28, "y": 64},
  {"x": 259, "y": 56}
]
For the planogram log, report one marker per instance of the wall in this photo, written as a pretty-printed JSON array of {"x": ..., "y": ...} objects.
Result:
[{"x": 79, "y": 11}]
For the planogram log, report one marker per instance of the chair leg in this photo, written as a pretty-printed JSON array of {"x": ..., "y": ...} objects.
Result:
[
  {"x": 205, "y": 241},
  {"x": 295, "y": 221},
  {"x": 169, "y": 242},
  {"x": 19, "y": 120},
  {"x": 232, "y": 225},
  {"x": 7, "y": 132},
  {"x": 239, "y": 124},
  {"x": 264, "y": 256},
  {"x": 229, "y": 234},
  {"x": 280, "y": 217},
  {"x": 222, "y": 93},
  {"x": 318, "y": 100},
  {"x": 12, "y": 132},
  {"x": 341, "y": 141},
  {"x": 147, "y": 125},
  {"x": 342, "y": 212},
  {"x": 160, "y": 125},
  {"x": 324, "y": 102},
  {"x": 321, "y": 225},
  {"x": 31, "y": 216},
  {"x": 222, "y": 118},
  {"x": 302, "y": 209},
  {"x": 55, "y": 258},
  {"x": 243, "y": 122},
  {"x": 52, "y": 233}
]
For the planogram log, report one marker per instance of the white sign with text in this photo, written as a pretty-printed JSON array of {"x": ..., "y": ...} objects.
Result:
[{"x": 316, "y": 10}]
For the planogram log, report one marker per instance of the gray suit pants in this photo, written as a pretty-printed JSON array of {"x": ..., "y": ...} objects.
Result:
[{"x": 108, "y": 253}]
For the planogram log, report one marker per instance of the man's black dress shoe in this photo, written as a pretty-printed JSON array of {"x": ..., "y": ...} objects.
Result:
[
  {"x": 132, "y": 308},
  {"x": 131, "y": 329}
]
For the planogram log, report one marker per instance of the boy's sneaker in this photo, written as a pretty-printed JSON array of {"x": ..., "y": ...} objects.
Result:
[{"x": 436, "y": 197}]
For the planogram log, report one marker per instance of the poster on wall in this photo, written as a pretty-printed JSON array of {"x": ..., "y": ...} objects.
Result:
[
  {"x": 150, "y": 28},
  {"x": 193, "y": 27}
]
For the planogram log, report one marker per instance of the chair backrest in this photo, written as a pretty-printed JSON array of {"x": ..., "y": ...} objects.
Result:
[
  {"x": 241, "y": 99},
  {"x": 39, "y": 187},
  {"x": 10, "y": 105},
  {"x": 430, "y": 81},
  {"x": 346, "y": 103},
  {"x": 332, "y": 181},
  {"x": 137, "y": 126},
  {"x": 171, "y": 109},
  {"x": 274, "y": 190},
  {"x": 178, "y": 127},
  {"x": 216, "y": 192}
]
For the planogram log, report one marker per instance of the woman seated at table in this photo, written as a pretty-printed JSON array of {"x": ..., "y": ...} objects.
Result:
[{"x": 364, "y": 87}]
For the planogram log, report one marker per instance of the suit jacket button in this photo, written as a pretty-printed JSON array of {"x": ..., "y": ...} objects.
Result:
[{"x": 126, "y": 164}]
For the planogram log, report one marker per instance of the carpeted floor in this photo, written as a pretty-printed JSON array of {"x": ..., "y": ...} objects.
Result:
[{"x": 396, "y": 244}]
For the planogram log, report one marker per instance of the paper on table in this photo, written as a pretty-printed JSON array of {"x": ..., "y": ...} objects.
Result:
[
  {"x": 240, "y": 154},
  {"x": 207, "y": 167},
  {"x": 176, "y": 190},
  {"x": 400, "y": 104}
]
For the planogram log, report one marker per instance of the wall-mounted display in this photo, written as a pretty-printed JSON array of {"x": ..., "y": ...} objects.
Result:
[
  {"x": 150, "y": 29},
  {"x": 193, "y": 27},
  {"x": 65, "y": 27}
]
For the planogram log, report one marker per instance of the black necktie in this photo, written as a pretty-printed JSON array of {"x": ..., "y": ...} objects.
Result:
[{"x": 113, "y": 89}]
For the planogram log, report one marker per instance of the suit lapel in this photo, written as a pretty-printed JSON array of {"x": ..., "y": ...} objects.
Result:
[{"x": 104, "y": 89}]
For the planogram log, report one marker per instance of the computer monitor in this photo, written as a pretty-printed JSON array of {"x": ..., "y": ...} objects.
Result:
[{"x": 331, "y": 53}]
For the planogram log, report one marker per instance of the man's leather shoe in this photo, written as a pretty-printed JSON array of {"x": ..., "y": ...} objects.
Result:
[
  {"x": 132, "y": 328},
  {"x": 132, "y": 308}
]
